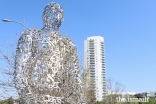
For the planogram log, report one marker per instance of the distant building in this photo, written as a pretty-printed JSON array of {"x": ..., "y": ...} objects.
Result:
[
  {"x": 94, "y": 57},
  {"x": 149, "y": 94},
  {"x": 122, "y": 94}
]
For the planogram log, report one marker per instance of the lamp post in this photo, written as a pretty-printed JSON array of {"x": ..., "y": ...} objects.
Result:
[{"x": 7, "y": 20}]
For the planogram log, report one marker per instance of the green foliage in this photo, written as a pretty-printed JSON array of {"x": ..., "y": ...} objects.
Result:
[
  {"x": 99, "y": 102},
  {"x": 3, "y": 102},
  {"x": 90, "y": 96},
  {"x": 138, "y": 95},
  {"x": 8, "y": 101},
  {"x": 150, "y": 101}
]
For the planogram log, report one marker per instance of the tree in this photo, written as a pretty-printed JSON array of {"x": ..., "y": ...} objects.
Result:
[
  {"x": 151, "y": 101},
  {"x": 89, "y": 93},
  {"x": 138, "y": 95},
  {"x": 10, "y": 101},
  {"x": 7, "y": 86},
  {"x": 7, "y": 101},
  {"x": 114, "y": 90}
]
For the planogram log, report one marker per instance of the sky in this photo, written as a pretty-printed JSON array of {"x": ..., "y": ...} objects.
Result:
[{"x": 128, "y": 28}]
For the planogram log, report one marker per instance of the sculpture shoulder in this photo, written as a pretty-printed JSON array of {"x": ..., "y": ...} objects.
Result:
[
  {"x": 68, "y": 41},
  {"x": 30, "y": 33}
]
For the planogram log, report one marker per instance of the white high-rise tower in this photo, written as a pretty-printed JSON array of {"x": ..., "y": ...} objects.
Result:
[{"x": 94, "y": 57}]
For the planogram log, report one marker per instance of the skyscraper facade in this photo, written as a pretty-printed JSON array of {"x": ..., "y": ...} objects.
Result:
[{"x": 94, "y": 60}]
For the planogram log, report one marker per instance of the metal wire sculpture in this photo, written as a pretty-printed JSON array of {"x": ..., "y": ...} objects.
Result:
[{"x": 46, "y": 65}]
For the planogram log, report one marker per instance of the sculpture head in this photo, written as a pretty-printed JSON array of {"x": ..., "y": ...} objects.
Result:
[{"x": 53, "y": 16}]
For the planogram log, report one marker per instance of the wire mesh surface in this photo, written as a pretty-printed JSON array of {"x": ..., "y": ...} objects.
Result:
[{"x": 46, "y": 64}]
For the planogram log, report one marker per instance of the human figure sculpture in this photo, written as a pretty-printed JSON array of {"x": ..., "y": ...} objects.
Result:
[{"x": 46, "y": 66}]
